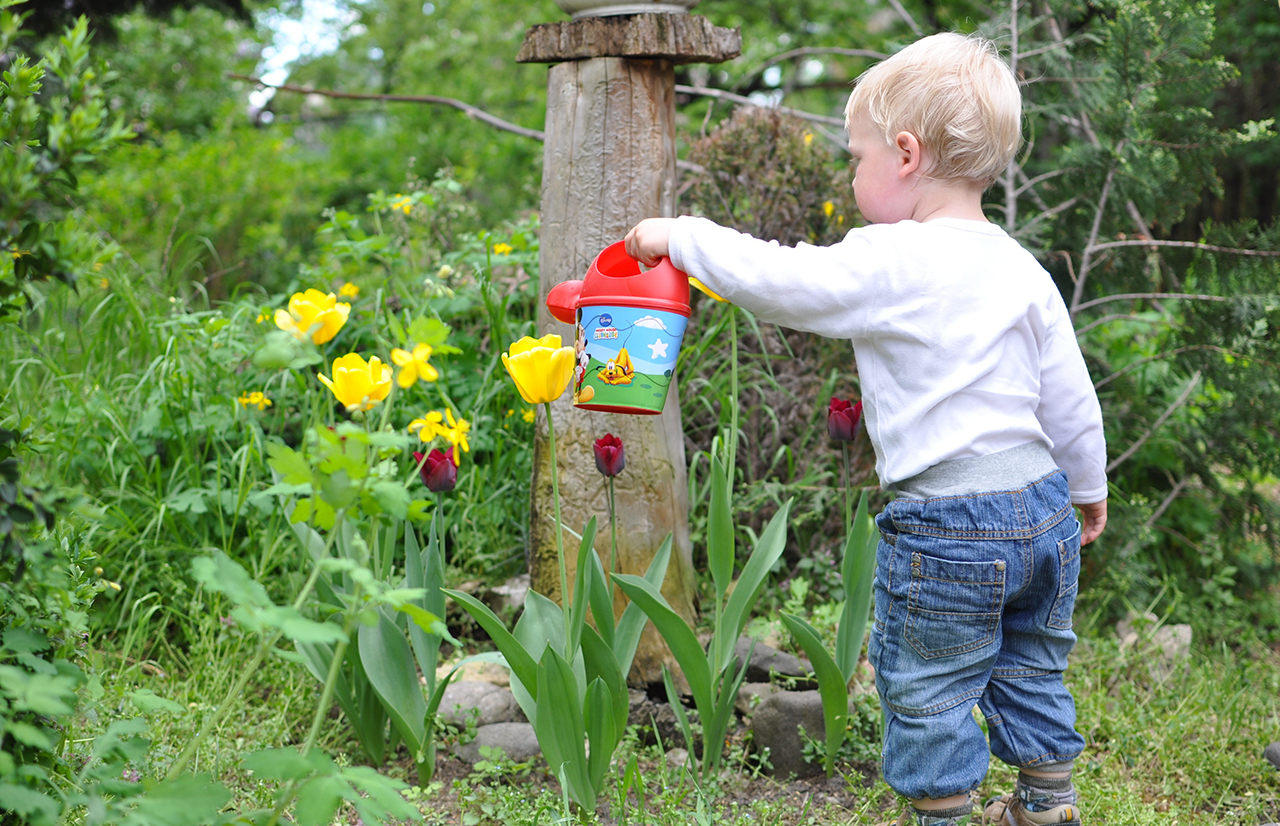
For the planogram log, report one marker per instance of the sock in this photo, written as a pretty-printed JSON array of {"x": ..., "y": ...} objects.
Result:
[
  {"x": 1040, "y": 794},
  {"x": 959, "y": 816}
]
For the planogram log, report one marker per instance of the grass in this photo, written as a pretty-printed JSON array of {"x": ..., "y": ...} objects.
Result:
[{"x": 1178, "y": 748}]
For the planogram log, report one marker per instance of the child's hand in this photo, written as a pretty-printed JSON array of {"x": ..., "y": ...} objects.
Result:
[
  {"x": 1095, "y": 519},
  {"x": 648, "y": 240}
]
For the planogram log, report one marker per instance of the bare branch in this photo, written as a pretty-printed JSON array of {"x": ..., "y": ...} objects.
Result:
[
  {"x": 1116, "y": 317},
  {"x": 471, "y": 111},
  {"x": 1135, "y": 296},
  {"x": 1187, "y": 245},
  {"x": 1168, "y": 500},
  {"x": 905, "y": 15},
  {"x": 1093, "y": 237},
  {"x": 720, "y": 94},
  {"x": 1128, "y": 368},
  {"x": 1030, "y": 182},
  {"x": 1048, "y": 213},
  {"x": 1181, "y": 400}
]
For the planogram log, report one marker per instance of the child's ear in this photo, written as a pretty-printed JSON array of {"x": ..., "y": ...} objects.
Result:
[{"x": 910, "y": 154}]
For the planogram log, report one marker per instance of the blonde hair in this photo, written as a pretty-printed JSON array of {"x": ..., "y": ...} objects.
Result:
[{"x": 956, "y": 95}]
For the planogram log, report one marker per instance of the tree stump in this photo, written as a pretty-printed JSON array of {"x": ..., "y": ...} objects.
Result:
[{"x": 609, "y": 161}]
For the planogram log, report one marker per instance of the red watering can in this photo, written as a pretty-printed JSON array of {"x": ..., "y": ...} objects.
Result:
[{"x": 628, "y": 328}]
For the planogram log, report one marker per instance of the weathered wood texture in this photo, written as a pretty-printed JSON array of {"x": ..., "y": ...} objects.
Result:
[
  {"x": 608, "y": 162},
  {"x": 680, "y": 38}
]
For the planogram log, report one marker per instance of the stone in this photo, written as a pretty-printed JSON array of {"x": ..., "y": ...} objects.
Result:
[
  {"x": 516, "y": 740},
  {"x": 750, "y": 695},
  {"x": 655, "y": 720},
  {"x": 1169, "y": 645},
  {"x": 677, "y": 758},
  {"x": 509, "y": 595},
  {"x": 766, "y": 662},
  {"x": 776, "y": 726},
  {"x": 478, "y": 671},
  {"x": 1272, "y": 754},
  {"x": 484, "y": 702}
]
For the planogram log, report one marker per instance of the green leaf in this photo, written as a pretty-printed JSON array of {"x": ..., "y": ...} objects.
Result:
[
  {"x": 381, "y": 801},
  {"x": 518, "y": 659},
  {"x": 428, "y": 330},
  {"x": 720, "y": 544},
  {"x": 278, "y": 764},
  {"x": 388, "y": 663},
  {"x": 289, "y": 464},
  {"x": 763, "y": 556},
  {"x": 833, "y": 688},
  {"x": 187, "y": 800},
  {"x": 598, "y": 596},
  {"x": 23, "y": 641},
  {"x": 673, "y": 699},
  {"x": 600, "y": 723},
  {"x": 29, "y": 735},
  {"x": 631, "y": 623},
  {"x": 560, "y": 728},
  {"x": 147, "y": 701},
  {"x": 188, "y": 501},
  {"x": 319, "y": 799},
  {"x": 222, "y": 574},
  {"x": 858, "y": 571},
  {"x": 581, "y": 585},
  {"x": 392, "y": 497},
  {"x": 300, "y": 629},
  {"x": 35, "y": 808},
  {"x": 599, "y": 663},
  {"x": 677, "y": 634}
]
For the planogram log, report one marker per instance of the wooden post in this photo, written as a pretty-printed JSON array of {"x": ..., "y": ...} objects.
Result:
[{"x": 609, "y": 161}]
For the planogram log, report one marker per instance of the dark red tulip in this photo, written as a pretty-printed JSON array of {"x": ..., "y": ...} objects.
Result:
[
  {"x": 843, "y": 416},
  {"x": 439, "y": 473},
  {"x": 610, "y": 456}
]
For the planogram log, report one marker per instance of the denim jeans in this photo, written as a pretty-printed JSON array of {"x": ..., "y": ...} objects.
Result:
[{"x": 973, "y": 602}]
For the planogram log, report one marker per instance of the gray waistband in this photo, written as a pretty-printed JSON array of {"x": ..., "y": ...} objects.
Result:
[{"x": 1007, "y": 470}]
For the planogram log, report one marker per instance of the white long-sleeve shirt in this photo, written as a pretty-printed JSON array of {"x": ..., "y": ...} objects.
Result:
[{"x": 963, "y": 343}]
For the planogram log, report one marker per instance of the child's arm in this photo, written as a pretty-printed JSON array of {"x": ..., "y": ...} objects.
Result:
[
  {"x": 649, "y": 240},
  {"x": 1095, "y": 520}
]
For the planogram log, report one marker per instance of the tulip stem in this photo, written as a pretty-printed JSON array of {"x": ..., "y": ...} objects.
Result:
[
  {"x": 613, "y": 551},
  {"x": 848, "y": 493},
  {"x": 564, "y": 573}
]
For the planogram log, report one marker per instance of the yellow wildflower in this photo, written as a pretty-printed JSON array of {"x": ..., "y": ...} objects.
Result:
[
  {"x": 808, "y": 138},
  {"x": 254, "y": 399},
  {"x": 313, "y": 315},
  {"x": 529, "y": 415},
  {"x": 359, "y": 385},
  {"x": 263, "y": 315},
  {"x": 404, "y": 203},
  {"x": 540, "y": 367},
  {"x": 413, "y": 366},
  {"x": 428, "y": 427},
  {"x": 510, "y": 412},
  {"x": 348, "y": 290},
  {"x": 502, "y": 249},
  {"x": 444, "y": 272},
  {"x": 457, "y": 434},
  {"x": 828, "y": 208},
  {"x": 104, "y": 283}
]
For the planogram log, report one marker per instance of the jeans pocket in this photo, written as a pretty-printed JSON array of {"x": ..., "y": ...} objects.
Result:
[
  {"x": 1064, "y": 603},
  {"x": 953, "y": 607}
]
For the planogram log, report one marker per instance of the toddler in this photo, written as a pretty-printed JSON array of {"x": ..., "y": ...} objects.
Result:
[{"x": 981, "y": 413}]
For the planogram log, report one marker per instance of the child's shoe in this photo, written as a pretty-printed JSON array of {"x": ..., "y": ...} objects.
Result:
[{"x": 1033, "y": 807}]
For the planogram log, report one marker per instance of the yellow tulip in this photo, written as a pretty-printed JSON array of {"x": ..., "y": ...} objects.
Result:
[
  {"x": 540, "y": 367},
  {"x": 357, "y": 384},
  {"x": 313, "y": 315},
  {"x": 413, "y": 365}
]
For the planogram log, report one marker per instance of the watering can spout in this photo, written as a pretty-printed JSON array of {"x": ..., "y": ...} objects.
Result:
[{"x": 562, "y": 301}]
